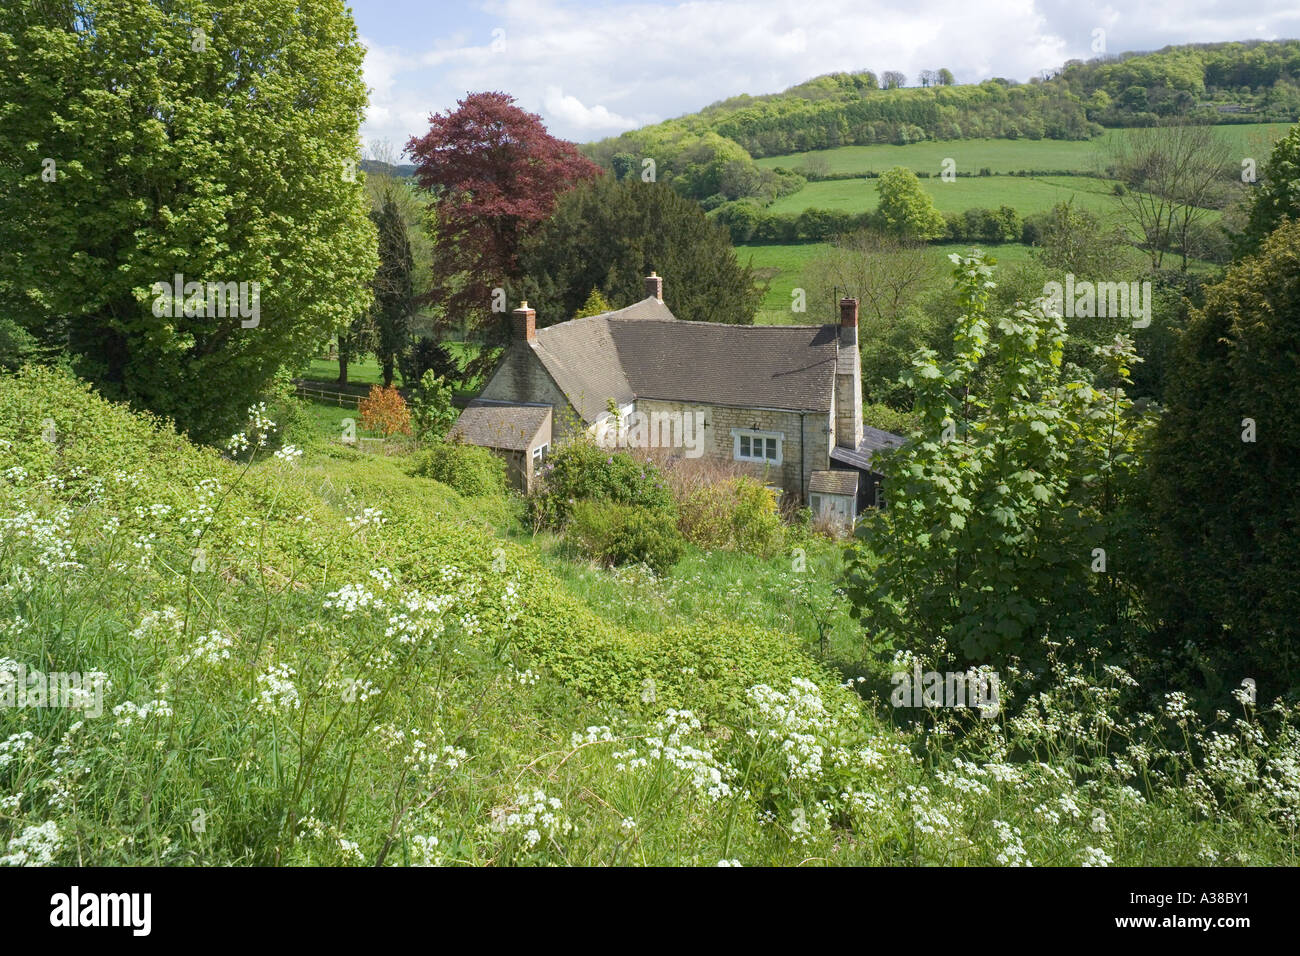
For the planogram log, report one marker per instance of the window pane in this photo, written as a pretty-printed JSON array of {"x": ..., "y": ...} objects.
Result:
[
  {"x": 771, "y": 448},
  {"x": 744, "y": 446}
]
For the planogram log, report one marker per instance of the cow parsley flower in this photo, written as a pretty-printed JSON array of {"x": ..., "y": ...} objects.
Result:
[
  {"x": 35, "y": 846},
  {"x": 278, "y": 691},
  {"x": 1095, "y": 857},
  {"x": 533, "y": 815},
  {"x": 211, "y": 648},
  {"x": 367, "y": 517}
]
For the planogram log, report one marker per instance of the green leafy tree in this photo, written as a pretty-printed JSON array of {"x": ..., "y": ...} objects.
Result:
[
  {"x": 1278, "y": 195},
  {"x": 16, "y": 345},
  {"x": 1070, "y": 239},
  {"x": 905, "y": 208},
  {"x": 622, "y": 164},
  {"x": 213, "y": 141},
  {"x": 610, "y": 235},
  {"x": 1000, "y": 508},
  {"x": 596, "y": 304},
  {"x": 1074, "y": 241},
  {"x": 432, "y": 410},
  {"x": 394, "y": 295},
  {"x": 1225, "y": 466},
  {"x": 425, "y": 354}
]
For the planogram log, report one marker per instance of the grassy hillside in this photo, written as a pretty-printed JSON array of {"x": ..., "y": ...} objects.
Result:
[
  {"x": 322, "y": 659},
  {"x": 1005, "y": 155},
  {"x": 735, "y": 148}
]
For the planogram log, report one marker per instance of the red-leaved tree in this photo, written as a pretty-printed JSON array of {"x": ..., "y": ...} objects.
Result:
[{"x": 495, "y": 173}]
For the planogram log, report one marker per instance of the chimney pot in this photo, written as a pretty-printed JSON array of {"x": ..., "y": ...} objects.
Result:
[
  {"x": 654, "y": 286},
  {"x": 524, "y": 322}
]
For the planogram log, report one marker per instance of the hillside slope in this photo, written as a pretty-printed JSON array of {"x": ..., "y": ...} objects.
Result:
[
  {"x": 711, "y": 153},
  {"x": 325, "y": 660}
]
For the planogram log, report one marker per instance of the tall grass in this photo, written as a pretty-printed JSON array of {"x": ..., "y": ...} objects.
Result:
[{"x": 328, "y": 661}]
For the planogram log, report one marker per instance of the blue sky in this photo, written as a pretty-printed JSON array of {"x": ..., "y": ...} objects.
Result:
[{"x": 593, "y": 68}]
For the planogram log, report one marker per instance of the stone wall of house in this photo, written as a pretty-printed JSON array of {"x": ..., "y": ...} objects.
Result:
[
  {"x": 521, "y": 377},
  {"x": 528, "y": 480},
  {"x": 806, "y": 439},
  {"x": 805, "y": 446}
]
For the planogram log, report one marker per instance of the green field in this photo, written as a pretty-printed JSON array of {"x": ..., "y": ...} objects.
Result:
[
  {"x": 1006, "y": 155},
  {"x": 366, "y": 371},
  {"x": 363, "y": 372},
  {"x": 783, "y": 266},
  {"x": 1027, "y": 195}
]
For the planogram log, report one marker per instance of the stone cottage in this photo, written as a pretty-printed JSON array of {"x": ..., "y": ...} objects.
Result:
[{"x": 784, "y": 402}]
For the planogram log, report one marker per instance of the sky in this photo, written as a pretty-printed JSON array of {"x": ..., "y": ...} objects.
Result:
[{"x": 595, "y": 68}]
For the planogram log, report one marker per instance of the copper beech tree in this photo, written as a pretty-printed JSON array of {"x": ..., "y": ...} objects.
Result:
[{"x": 495, "y": 173}]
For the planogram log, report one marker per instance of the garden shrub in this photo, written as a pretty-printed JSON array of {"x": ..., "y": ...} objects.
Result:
[
  {"x": 432, "y": 411},
  {"x": 755, "y": 522},
  {"x": 471, "y": 470},
  {"x": 735, "y": 513},
  {"x": 583, "y": 471},
  {"x": 616, "y": 534},
  {"x": 384, "y": 411}
]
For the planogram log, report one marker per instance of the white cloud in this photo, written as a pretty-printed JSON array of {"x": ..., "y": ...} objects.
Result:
[{"x": 570, "y": 111}]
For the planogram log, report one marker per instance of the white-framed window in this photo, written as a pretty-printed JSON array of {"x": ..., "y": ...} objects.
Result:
[
  {"x": 539, "y": 456},
  {"x": 757, "y": 446}
]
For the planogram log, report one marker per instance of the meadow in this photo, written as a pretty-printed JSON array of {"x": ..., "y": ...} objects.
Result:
[
  {"x": 307, "y": 655},
  {"x": 1007, "y": 155},
  {"x": 1026, "y": 194},
  {"x": 782, "y": 267}
]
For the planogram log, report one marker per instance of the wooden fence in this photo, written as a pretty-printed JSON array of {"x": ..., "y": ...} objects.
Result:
[{"x": 317, "y": 393}]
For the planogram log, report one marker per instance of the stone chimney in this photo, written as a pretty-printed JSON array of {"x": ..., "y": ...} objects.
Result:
[
  {"x": 523, "y": 323},
  {"x": 654, "y": 286},
  {"x": 848, "y": 379},
  {"x": 849, "y": 321}
]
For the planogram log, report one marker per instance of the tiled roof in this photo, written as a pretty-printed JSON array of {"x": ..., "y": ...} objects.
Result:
[
  {"x": 503, "y": 425},
  {"x": 873, "y": 440},
  {"x": 583, "y": 360},
  {"x": 644, "y": 352},
  {"x": 836, "y": 482}
]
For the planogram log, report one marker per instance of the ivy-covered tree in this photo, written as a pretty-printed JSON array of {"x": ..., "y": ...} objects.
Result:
[
  {"x": 610, "y": 235},
  {"x": 355, "y": 343},
  {"x": 141, "y": 141},
  {"x": 432, "y": 409},
  {"x": 1007, "y": 516},
  {"x": 1225, "y": 468}
]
